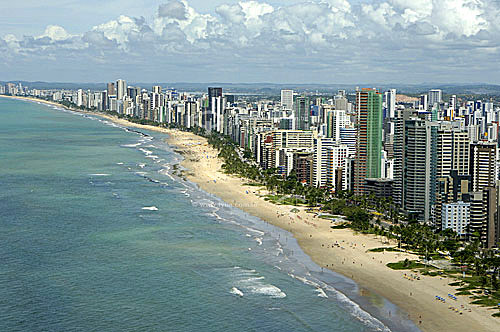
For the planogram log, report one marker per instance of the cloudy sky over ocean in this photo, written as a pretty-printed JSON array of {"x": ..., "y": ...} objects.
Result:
[{"x": 327, "y": 41}]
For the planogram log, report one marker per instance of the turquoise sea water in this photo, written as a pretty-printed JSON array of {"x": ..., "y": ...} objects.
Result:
[{"x": 97, "y": 235}]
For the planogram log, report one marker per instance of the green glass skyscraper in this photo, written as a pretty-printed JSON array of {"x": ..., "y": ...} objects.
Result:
[{"x": 369, "y": 138}]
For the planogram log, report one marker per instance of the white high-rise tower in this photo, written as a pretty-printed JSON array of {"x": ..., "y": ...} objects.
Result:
[
  {"x": 435, "y": 97},
  {"x": 121, "y": 89},
  {"x": 390, "y": 103},
  {"x": 287, "y": 99}
]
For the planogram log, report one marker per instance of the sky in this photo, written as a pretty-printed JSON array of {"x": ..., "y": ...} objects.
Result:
[{"x": 276, "y": 41}]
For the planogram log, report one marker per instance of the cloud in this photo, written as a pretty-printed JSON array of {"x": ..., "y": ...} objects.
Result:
[
  {"x": 318, "y": 37},
  {"x": 55, "y": 32},
  {"x": 173, "y": 9}
]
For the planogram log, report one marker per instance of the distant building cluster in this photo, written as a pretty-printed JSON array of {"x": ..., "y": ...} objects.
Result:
[{"x": 436, "y": 159}]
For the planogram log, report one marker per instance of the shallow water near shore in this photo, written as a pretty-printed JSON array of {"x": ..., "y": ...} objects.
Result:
[{"x": 98, "y": 234}]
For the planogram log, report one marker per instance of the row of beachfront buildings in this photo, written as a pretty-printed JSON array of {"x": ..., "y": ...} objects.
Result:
[{"x": 435, "y": 157}]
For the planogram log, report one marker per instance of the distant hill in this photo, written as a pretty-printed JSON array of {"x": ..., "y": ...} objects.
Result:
[{"x": 274, "y": 88}]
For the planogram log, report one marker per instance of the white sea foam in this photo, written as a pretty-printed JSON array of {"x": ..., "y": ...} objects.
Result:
[
  {"x": 254, "y": 230},
  {"x": 279, "y": 249},
  {"x": 259, "y": 240},
  {"x": 142, "y": 165},
  {"x": 321, "y": 293},
  {"x": 359, "y": 313},
  {"x": 249, "y": 281},
  {"x": 120, "y": 163},
  {"x": 268, "y": 290},
  {"x": 166, "y": 173},
  {"x": 305, "y": 281},
  {"x": 354, "y": 308},
  {"x": 131, "y": 145},
  {"x": 236, "y": 291},
  {"x": 147, "y": 152},
  {"x": 150, "y": 208}
]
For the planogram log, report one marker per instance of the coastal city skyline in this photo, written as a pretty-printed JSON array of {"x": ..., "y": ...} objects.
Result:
[
  {"x": 425, "y": 153},
  {"x": 419, "y": 169},
  {"x": 345, "y": 41},
  {"x": 250, "y": 165}
]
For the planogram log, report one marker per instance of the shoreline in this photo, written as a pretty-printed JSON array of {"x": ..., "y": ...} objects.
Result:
[{"x": 350, "y": 258}]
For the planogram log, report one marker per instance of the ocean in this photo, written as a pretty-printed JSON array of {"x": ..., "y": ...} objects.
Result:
[{"x": 97, "y": 234}]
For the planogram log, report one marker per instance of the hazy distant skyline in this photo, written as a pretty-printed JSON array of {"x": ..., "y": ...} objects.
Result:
[{"x": 328, "y": 41}]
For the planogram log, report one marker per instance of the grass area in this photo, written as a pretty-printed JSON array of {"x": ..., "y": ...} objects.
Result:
[
  {"x": 485, "y": 301},
  {"x": 432, "y": 256},
  {"x": 382, "y": 249},
  {"x": 272, "y": 198},
  {"x": 472, "y": 286},
  {"x": 341, "y": 226},
  {"x": 405, "y": 265},
  {"x": 253, "y": 184},
  {"x": 467, "y": 288},
  {"x": 284, "y": 200}
]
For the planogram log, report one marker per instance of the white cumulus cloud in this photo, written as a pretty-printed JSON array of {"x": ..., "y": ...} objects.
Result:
[{"x": 343, "y": 36}]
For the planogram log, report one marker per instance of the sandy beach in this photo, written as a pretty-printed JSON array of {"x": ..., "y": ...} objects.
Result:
[
  {"x": 340, "y": 250},
  {"x": 350, "y": 257}
]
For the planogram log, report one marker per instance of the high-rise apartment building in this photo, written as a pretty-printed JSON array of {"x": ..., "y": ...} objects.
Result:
[
  {"x": 273, "y": 147},
  {"x": 287, "y": 99},
  {"x": 369, "y": 137},
  {"x": 452, "y": 107},
  {"x": 330, "y": 163},
  {"x": 79, "y": 97},
  {"x": 341, "y": 103},
  {"x": 483, "y": 216},
  {"x": 214, "y": 93},
  {"x": 322, "y": 165},
  {"x": 453, "y": 150},
  {"x": 390, "y": 103},
  {"x": 456, "y": 216},
  {"x": 423, "y": 102},
  {"x": 111, "y": 89},
  {"x": 348, "y": 137},
  {"x": 335, "y": 120},
  {"x": 482, "y": 165},
  {"x": 302, "y": 113},
  {"x": 489, "y": 233},
  {"x": 121, "y": 89},
  {"x": 435, "y": 97},
  {"x": 303, "y": 166},
  {"x": 215, "y": 108},
  {"x": 415, "y": 162},
  {"x": 157, "y": 89}
]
